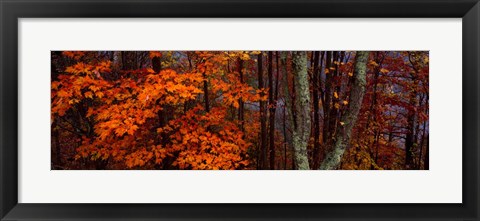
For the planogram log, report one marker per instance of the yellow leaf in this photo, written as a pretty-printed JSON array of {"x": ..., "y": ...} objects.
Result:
[
  {"x": 373, "y": 63},
  {"x": 350, "y": 74},
  {"x": 384, "y": 71},
  {"x": 341, "y": 123},
  {"x": 335, "y": 94},
  {"x": 337, "y": 105},
  {"x": 345, "y": 102}
]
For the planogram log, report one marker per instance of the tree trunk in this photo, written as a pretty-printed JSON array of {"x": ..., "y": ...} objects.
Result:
[
  {"x": 156, "y": 64},
  {"x": 263, "y": 113},
  {"x": 54, "y": 128},
  {"x": 56, "y": 137},
  {"x": 277, "y": 74},
  {"x": 342, "y": 139},
  {"x": 287, "y": 111},
  {"x": 240, "y": 101},
  {"x": 205, "y": 93},
  {"x": 162, "y": 120},
  {"x": 409, "y": 141},
  {"x": 373, "y": 113},
  {"x": 271, "y": 110},
  {"x": 117, "y": 64},
  {"x": 411, "y": 135},
  {"x": 284, "y": 137},
  {"x": 422, "y": 141},
  {"x": 117, "y": 61},
  {"x": 426, "y": 160},
  {"x": 426, "y": 157},
  {"x": 326, "y": 103},
  {"x": 333, "y": 115},
  {"x": 316, "y": 112},
  {"x": 301, "y": 133}
]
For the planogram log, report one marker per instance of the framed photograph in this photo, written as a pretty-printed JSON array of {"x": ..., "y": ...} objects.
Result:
[{"x": 228, "y": 110}]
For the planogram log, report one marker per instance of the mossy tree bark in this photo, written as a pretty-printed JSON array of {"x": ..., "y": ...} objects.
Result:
[
  {"x": 301, "y": 132},
  {"x": 342, "y": 139}
]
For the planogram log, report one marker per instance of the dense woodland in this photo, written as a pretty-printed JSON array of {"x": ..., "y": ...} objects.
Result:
[{"x": 250, "y": 110}]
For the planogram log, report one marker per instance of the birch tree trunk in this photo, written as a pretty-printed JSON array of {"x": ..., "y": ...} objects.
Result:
[
  {"x": 301, "y": 133},
  {"x": 342, "y": 139}
]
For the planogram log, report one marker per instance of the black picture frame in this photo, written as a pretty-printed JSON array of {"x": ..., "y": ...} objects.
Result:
[{"x": 11, "y": 10}]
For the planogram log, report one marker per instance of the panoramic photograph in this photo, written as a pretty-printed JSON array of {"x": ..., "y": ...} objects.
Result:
[{"x": 239, "y": 110}]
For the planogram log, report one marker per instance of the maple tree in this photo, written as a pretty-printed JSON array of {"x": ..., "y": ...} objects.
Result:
[{"x": 240, "y": 110}]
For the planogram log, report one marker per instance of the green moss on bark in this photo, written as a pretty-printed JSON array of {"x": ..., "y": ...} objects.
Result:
[
  {"x": 333, "y": 158},
  {"x": 301, "y": 134}
]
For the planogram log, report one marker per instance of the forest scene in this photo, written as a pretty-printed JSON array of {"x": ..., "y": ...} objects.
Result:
[{"x": 239, "y": 110}]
